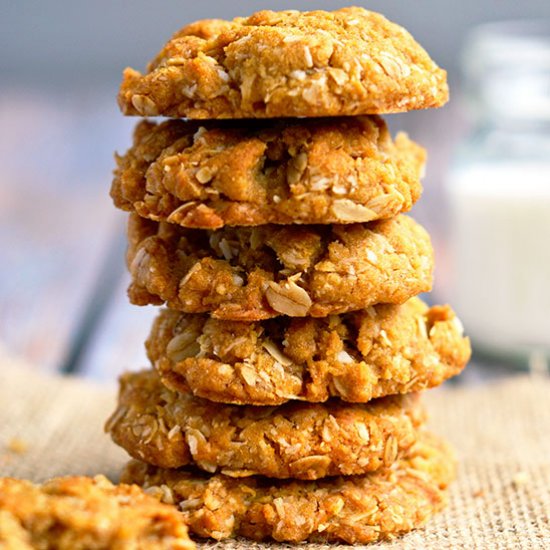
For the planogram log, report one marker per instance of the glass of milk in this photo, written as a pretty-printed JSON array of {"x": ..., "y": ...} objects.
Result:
[{"x": 499, "y": 195}]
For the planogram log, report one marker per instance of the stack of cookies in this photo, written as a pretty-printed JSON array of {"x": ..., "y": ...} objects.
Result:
[{"x": 283, "y": 403}]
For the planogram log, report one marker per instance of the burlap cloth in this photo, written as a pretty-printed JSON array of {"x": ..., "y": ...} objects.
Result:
[{"x": 53, "y": 426}]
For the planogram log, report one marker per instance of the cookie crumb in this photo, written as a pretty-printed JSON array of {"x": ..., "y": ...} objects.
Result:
[
  {"x": 17, "y": 445},
  {"x": 520, "y": 478}
]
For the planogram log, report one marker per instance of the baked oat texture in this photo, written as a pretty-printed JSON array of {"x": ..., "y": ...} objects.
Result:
[
  {"x": 295, "y": 440},
  {"x": 280, "y": 64},
  {"x": 308, "y": 171},
  {"x": 357, "y": 509},
  {"x": 359, "y": 356},
  {"x": 79, "y": 513},
  {"x": 249, "y": 274}
]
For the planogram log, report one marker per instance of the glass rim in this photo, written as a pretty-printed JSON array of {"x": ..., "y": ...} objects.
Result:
[
  {"x": 506, "y": 69},
  {"x": 507, "y": 43},
  {"x": 513, "y": 29}
]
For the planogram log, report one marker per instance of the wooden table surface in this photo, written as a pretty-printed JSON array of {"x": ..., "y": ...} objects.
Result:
[{"x": 63, "y": 304}]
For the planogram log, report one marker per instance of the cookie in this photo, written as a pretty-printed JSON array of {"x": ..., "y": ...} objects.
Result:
[
  {"x": 359, "y": 356},
  {"x": 79, "y": 513},
  {"x": 281, "y": 64},
  {"x": 295, "y": 440},
  {"x": 308, "y": 171},
  {"x": 358, "y": 509},
  {"x": 250, "y": 274}
]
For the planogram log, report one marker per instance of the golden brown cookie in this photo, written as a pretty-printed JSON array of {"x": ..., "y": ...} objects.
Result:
[
  {"x": 256, "y": 273},
  {"x": 280, "y": 64},
  {"x": 308, "y": 171},
  {"x": 383, "y": 350},
  {"x": 298, "y": 440},
  {"x": 79, "y": 513},
  {"x": 358, "y": 509}
]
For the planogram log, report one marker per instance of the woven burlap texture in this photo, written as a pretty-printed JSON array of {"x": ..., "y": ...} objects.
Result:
[{"x": 52, "y": 426}]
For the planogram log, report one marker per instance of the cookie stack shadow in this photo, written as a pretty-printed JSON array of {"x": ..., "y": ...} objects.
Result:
[{"x": 283, "y": 402}]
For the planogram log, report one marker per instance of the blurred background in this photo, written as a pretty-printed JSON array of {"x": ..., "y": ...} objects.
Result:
[{"x": 487, "y": 191}]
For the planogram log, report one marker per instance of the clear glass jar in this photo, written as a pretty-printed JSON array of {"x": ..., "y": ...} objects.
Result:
[{"x": 499, "y": 194}]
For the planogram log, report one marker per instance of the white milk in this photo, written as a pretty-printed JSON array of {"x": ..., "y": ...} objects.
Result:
[{"x": 500, "y": 246}]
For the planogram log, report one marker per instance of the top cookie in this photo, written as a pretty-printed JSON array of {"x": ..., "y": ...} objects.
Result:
[{"x": 280, "y": 64}]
